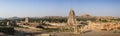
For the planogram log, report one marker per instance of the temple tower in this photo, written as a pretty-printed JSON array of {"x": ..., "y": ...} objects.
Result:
[
  {"x": 71, "y": 18},
  {"x": 72, "y": 23},
  {"x": 26, "y": 19}
]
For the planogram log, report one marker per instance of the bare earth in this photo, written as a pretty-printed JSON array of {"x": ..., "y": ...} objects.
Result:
[
  {"x": 34, "y": 32},
  {"x": 37, "y": 32}
]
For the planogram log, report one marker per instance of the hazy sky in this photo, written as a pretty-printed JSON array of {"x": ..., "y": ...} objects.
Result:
[{"x": 38, "y": 8}]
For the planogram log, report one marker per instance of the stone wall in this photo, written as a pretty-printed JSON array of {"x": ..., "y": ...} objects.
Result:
[{"x": 103, "y": 26}]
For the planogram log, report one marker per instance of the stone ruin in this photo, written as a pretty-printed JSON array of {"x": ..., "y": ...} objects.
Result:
[
  {"x": 100, "y": 26},
  {"x": 104, "y": 26},
  {"x": 26, "y": 19},
  {"x": 28, "y": 23},
  {"x": 71, "y": 18},
  {"x": 91, "y": 26},
  {"x": 72, "y": 23}
]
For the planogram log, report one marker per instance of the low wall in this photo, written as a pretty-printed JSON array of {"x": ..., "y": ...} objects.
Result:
[{"x": 103, "y": 26}]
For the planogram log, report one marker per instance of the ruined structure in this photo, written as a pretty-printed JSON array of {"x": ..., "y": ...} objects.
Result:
[
  {"x": 28, "y": 23},
  {"x": 72, "y": 23},
  {"x": 71, "y": 18},
  {"x": 26, "y": 19},
  {"x": 106, "y": 26}
]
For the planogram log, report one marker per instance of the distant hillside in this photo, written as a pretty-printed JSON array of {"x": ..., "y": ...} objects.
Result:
[{"x": 11, "y": 18}]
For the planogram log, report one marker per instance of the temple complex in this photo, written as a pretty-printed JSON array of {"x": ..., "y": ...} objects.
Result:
[{"x": 72, "y": 25}]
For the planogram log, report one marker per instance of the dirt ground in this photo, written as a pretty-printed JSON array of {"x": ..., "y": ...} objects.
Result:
[{"x": 38, "y": 32}]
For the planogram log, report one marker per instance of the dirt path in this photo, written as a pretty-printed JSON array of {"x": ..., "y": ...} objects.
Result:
[{"x": 27, "y": 31}]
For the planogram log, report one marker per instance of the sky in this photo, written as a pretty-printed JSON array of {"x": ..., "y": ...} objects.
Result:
[{"x": 40, "y": 8}]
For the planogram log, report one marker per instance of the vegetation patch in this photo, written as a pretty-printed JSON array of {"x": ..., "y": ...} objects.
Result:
[{"x": 7, "y": 30}]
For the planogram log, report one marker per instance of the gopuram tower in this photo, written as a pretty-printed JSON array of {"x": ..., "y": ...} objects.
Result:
[
  {"x": 72, "y": 23},
  {"x": 71, "y": 18},
  {"x": 26, "y": 19}
]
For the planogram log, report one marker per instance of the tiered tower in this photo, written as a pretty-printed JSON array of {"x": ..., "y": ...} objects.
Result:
[
  {"x": 26, "y": 19},
  {"x": 71, "y": 18},
  {"x": 72, "y": 23}
]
